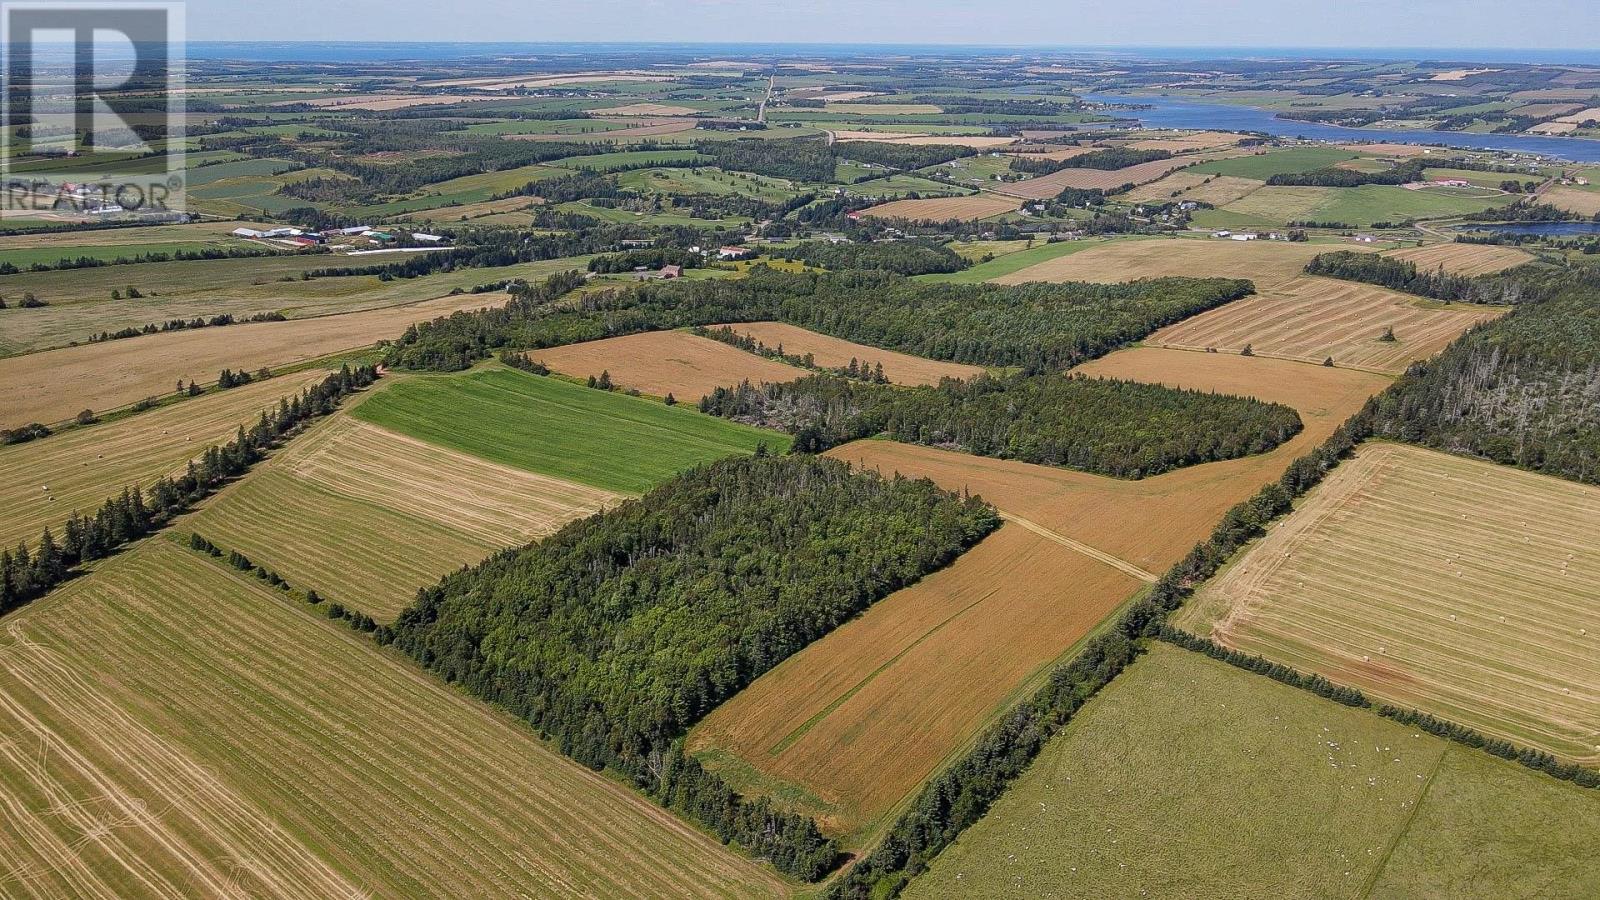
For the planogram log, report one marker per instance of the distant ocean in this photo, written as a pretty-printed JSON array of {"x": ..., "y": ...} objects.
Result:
[{"x": 355, "y": 52}]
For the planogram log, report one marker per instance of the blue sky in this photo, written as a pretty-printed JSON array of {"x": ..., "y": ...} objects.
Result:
[{"x": 1528, "y": 24}]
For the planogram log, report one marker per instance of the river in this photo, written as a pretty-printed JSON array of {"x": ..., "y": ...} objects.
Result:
[{"x": 1172, "y": 112}]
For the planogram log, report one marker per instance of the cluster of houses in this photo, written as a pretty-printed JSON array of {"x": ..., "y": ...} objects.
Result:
[
  {"x": 1224, "y": 234},
  {"x": 300, "y": 238}
]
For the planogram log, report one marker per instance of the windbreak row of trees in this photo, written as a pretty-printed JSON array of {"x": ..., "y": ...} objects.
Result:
[
  {"x": 28, "y": 574},
  {"x": 1036, "y": 327},
  {"x": 1114, "y": 158},
  {"x": 616, "y": 634},
  {"x": 1125, "y": 429}
]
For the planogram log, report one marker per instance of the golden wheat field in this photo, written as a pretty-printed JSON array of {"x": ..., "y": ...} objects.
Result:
[
  {"x": 54, "y": 385},
  {"x": 1584, "y": 203},
  {"x": 1452, "y": 585},
  {"x": 366, "y": 516},
  {"x": 174, "y": 728},
  {"x": 1047, "y": 186},
  {"x": 854, "y": 723},
  {"x": 1312, "y": 319},
  {"x": 1151, "y": 523},
  {"x": 1465, "y": 259},
  {"x": 832, "y": 352},
  {"x": 666, "y": 362},
  {"x": 43, "y": 482},
  {"x": 943, "y": 209},
  {"x": 1267, "y": 263}
]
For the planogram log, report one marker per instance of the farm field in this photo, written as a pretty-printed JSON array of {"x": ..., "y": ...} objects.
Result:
[
  {"x": 1582, "y": 202},
  {"x": 111, "y": 237},
  {"x": 1047, "y": 186},
  {"x": 1188, "y": 777},
  {"x": 1311, "y": 319},
  {"x": 367, "y": 516},
  {"x": 1452, "y": 585},
  {"x": 980, "y": 206},
  {"x": 1261, "y": 166},
  {"x": 552, "y": 427},
  {"x": 1267, "y": 263},
  {"x": 80, "y": 304},
  {"x": 1217, "y": 190},
  {"x": 1150, "y": 523},
  {"x": 54, "y": 385},
  {"x": 1463, "y": 259},
  {"x": 246, "y": 745},
  {"x": 832, "y": 352},
  {"x": 1015, "y": 261},
  {"x": 849, "y": 727},
  {"x": 659, "y": 363},
  {"x": 84, "y": 466},
  {"x": 1183, "y": 143}
]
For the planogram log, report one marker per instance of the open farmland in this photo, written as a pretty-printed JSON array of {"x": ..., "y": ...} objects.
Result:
[
  {"x": 941, "y": 209},
  {"x": 1582, "y": 202},
  {"x": 1183, "y": 143},
  {"x": 1464, "y": 259},
  {"x": 247, "y": 747},
  {"x": 43, "y": 482},
  {"x": 1267, "y": 263},
  {"x": 666, "y": 362},
  {"x": 367, "y": 516},
  {"x": 1046, "y": 186},
  {"x": 850, "y": 726},
  {"x": 54, "y": 385},
  {"x": 1311, "y": 319},
  {"x": 1455, "y": 586},
  {"x": 1150, "y": 523},
  {"x": 832, "y": 352},
  {"x": 552, "y": 427},
  {"x": 1189, "y": 778},
  {"x": 1217, "y": 190},
  {"x": 81, "y": 305}
]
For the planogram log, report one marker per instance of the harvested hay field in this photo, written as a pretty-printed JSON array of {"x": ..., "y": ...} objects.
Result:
[
  {"x": 832, "y": 352},
  {"x": 615, "y": 135},
  {"x": 1217, "y": 190},
  {"x": 84, "y": 466},
  {"x": 1311, "y": 319},
  {"x": 366, "y": 516},
  {"x": 978, "y": 141},
  {"x": 855, "y": 723},
  {"x": 1190, "y": 778},
  {"x": 54, "y": 385},
  {"x": 1046, "y": 186},
  {"x": 1267, "y": 263},
  {"x": 1403, "y": 151},
  {"x": 1451, "y": 585},
  {"x": 666, "y": 362},
  {"x": 645, "y": 109},
  {"x": 1184, "y": 143},
  {"x": 1466, "y": 259},
  {"x": 1584, "y": 203},
  {"x": 1151, "y": 523},
  {"x": 1047, "y": 151},
  {"x": 943, "y": 209},
  {"x": 176, "y": 729}
]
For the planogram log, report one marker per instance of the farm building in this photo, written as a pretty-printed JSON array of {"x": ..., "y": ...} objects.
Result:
[{"x": 248, "y": 233}]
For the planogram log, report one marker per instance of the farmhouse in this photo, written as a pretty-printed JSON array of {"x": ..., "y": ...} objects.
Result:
[{"x": 671, "y": 272}]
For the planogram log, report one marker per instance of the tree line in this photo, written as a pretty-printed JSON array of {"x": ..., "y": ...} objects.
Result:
[
  {"x": 26, "y": 574},
  {"x": 1124, "y": 429},
  {"x": 618, "y": 633},
  {"x": 1333, "y": 176},
  {"x": 1510, "y": 287},
  {"x": 1037, "y": 327},
  {"x": 915, "y": 256},
  {"x": 1110, "y": 159}
]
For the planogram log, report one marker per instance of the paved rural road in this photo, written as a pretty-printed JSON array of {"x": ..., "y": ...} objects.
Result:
[{"x": 1083, "y": 548}]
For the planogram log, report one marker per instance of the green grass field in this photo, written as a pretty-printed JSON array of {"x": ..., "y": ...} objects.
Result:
[
  {"x": 609, "y": 162},
  {"x": 705, "y": 181},
  {"x": 554, "y": 427},
  {"x": 52, "y": 256},
  {"x": 1190, "y": 778},
  {"x": 1281, "y": 162}
]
